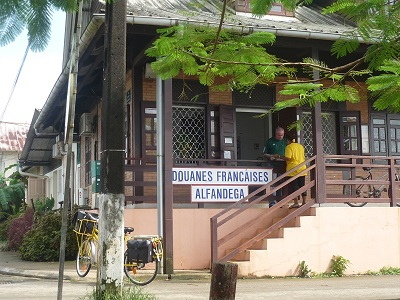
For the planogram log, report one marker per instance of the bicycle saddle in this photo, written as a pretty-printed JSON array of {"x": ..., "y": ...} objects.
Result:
[
  {"x": 128, "y": 230},
  {"x": 367, "y": 169}
]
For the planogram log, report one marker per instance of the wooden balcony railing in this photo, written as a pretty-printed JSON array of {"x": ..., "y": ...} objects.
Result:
[{"x": 343, "y": 175}]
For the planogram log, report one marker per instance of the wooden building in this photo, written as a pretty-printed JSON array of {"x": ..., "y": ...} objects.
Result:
[{"x": 219, "y": 131}]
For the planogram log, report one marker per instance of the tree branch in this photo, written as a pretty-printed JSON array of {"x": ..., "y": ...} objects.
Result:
[{"x": 280, "y": 64}]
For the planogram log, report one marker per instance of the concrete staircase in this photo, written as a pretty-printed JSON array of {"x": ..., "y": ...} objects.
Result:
[{"x": 277, "y": 249}]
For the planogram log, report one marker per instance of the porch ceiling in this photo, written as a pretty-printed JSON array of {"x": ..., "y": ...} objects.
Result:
[
  {"x": 90, "y": 76},
  {"x": 38, "y": 148}
]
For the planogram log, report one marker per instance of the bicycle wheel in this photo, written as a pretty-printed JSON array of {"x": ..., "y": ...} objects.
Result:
[
  {"x": 84, "y": 258},
  {"x": 362, "y": 191},
  {"x": 140, "y": 273}
]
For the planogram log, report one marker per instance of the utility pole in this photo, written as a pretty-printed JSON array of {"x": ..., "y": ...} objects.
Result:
[
  {"x": 112, "y": 198},
  {"x": 68, "y": 140}
]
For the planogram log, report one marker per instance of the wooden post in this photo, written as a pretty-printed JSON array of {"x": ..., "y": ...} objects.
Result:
[{"x": 223, "y": 281}]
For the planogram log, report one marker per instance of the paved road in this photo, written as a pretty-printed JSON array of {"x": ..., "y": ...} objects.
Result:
[{"x": 362, "y": 287}]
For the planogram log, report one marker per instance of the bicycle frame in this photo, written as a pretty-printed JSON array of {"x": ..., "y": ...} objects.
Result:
[
  {"x": 377, "y": 191},
  {"x": 366, "y": 190},
  {"x": 81, "y": 233}
]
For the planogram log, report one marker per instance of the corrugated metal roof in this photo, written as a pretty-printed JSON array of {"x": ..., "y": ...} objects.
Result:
[
  {"x": 307, "y": 18},
  {"x": 12, "y": 136},
  {"x": 38, "y": 148}
]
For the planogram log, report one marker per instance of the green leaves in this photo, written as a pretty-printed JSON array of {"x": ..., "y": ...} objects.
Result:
[
  {"x": 12, "y": 21},
  {"x": 258, "y": 38},
  {"x": 12, "y": 196},
  {"x": 12, "y": 190},
  {"x": 311, "y": 93},
  {"x": 377, "y": 23},
  {"x": 386, "y": 86},
  {"x": 243, "y": 61},
  {"x": 194, "y": 50},
  {"x": 344, "y": 46},
  {"x": 35, "y": 16}
]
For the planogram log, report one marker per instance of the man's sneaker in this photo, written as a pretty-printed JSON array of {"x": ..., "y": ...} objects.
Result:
[{"x": 272, "y": 203}]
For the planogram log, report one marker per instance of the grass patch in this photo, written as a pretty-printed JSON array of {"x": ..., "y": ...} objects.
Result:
[{"x": 131, "y": 293}]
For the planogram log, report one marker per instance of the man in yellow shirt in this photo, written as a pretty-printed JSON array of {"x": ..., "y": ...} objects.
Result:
[{"x": 294, "y": 156}]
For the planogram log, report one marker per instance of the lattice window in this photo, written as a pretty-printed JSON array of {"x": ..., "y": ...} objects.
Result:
[
  {"x": 188, "y": 132},
  {"x": 328, "y": 133}
]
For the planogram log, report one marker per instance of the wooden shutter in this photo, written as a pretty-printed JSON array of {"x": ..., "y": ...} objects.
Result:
[{"x": 228, "y": 133}]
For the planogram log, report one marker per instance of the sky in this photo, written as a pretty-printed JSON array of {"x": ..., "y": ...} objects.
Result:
[{"x": 38, "y": 75}]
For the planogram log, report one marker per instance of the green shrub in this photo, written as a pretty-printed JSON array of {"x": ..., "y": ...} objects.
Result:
[
  {"x": 389, "y": 271},
  {"x": 42, "y": 242},
  {"x": 17, "y": 229},
  {"x": 4, "y": 228},
  {"x": 44, "y": 205},
  {"x": 385, "y": 271},
  {"x": 339, "y": 265}
]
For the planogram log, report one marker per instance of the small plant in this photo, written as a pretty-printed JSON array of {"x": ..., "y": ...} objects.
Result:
[
  {"x": 135, "y": 293},
  {"x": 390, "y": 271},
  {"x": 12, "y": 192},
  {"x": 44, "y": 205},
  {"x": 385, "y": 271},
  {"x": 339, "y": 265},
  {"x": 17, "y": 229},
  {"x": 304, "y": 270}
]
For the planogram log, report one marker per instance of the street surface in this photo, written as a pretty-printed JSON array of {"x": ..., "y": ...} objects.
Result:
[{"x": 361, "y": 287}]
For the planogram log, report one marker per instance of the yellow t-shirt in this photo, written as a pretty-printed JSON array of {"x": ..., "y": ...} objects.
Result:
[{"x": 295, "y": 153}]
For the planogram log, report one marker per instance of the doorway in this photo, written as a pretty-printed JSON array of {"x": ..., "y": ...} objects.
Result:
[{"x": 253, "y": 127}]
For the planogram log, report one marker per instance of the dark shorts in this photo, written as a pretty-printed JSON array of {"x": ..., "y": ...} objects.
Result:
[{"x": 297, "y": 184}]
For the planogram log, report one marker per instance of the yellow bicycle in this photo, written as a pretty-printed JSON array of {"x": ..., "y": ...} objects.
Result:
[
  {"x": 142, "y": 258},
  {"x": 86, "y": 231}
]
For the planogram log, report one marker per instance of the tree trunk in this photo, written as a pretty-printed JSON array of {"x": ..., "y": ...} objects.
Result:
[{"x": 223, "y": 281}]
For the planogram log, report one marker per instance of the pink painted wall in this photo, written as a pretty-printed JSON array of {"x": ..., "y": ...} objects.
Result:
[
  {"x": 369, "y": 237},
  {"x": 192, "y": 241}
]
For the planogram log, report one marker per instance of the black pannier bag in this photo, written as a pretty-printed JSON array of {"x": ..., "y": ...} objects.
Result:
[
  {"x": 82, "y": 223},
  {"x": 140, "y": 251}
]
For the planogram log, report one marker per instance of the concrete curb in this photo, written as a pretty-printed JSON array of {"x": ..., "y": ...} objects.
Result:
[
  {"x": 181, "y": 275},
  {"x": 31, "y": 273}
]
